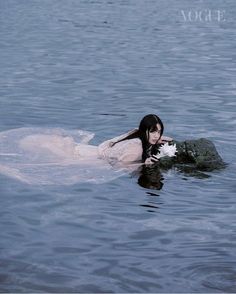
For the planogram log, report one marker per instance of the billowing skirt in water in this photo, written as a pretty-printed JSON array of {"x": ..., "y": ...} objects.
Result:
[{"x": 58, "y": 156}]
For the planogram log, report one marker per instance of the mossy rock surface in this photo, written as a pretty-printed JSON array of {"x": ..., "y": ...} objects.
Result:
[{"x": 201, "y": 153}]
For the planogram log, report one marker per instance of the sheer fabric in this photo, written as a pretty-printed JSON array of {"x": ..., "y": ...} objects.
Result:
[
  {"x": 126, "y": 151},
  {"x": 58, "y": 156}
]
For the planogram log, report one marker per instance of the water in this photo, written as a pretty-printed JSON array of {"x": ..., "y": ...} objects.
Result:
[{"x": 100, "y": 66}]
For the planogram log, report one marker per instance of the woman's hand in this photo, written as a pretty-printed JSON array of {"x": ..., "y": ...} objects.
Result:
[
  {"x": 165, "y": 139},
  {"x": 152, "y": 159}
]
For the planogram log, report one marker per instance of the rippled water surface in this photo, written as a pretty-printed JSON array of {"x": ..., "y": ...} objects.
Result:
[{"x": 100, "y": 66}]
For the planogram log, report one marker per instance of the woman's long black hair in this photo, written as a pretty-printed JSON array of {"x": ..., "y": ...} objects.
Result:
[{"x": 147, "y": 124}]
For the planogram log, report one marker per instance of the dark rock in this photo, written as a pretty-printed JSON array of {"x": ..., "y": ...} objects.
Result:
[{"x": 200, "y": 153}]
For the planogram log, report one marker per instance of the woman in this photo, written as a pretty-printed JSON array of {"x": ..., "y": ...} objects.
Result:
[
  {"x": 140, "y": 144},
  {"x": 55, "y": 156}
]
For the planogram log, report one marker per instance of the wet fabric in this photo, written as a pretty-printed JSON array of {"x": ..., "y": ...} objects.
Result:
[{"x": 59, "y": 156}]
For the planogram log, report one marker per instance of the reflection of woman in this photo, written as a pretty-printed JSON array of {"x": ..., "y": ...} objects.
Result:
[
  {"x": 140, "y": 144},
  {"x": 150, "y": 177}
]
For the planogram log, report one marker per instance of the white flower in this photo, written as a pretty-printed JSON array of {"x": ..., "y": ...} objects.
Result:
[{"x": 167, "y": 150}]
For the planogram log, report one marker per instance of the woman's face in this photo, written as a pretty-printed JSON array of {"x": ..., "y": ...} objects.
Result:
[{"x": 154, "y": 134}]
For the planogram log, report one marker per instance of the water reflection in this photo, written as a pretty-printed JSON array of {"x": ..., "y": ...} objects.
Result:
[
  {"x": 191, "y": 171},
  {"x": 151, "y": 177},
  {"x": 150, "y": 207}
]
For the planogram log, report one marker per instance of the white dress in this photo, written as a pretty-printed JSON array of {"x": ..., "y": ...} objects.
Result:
[
  {"x": 58, "y": 156},
  {"x": 127, "y": 151}
]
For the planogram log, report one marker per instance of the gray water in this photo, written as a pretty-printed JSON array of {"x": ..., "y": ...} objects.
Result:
[{"x": 100, "y": 65}]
